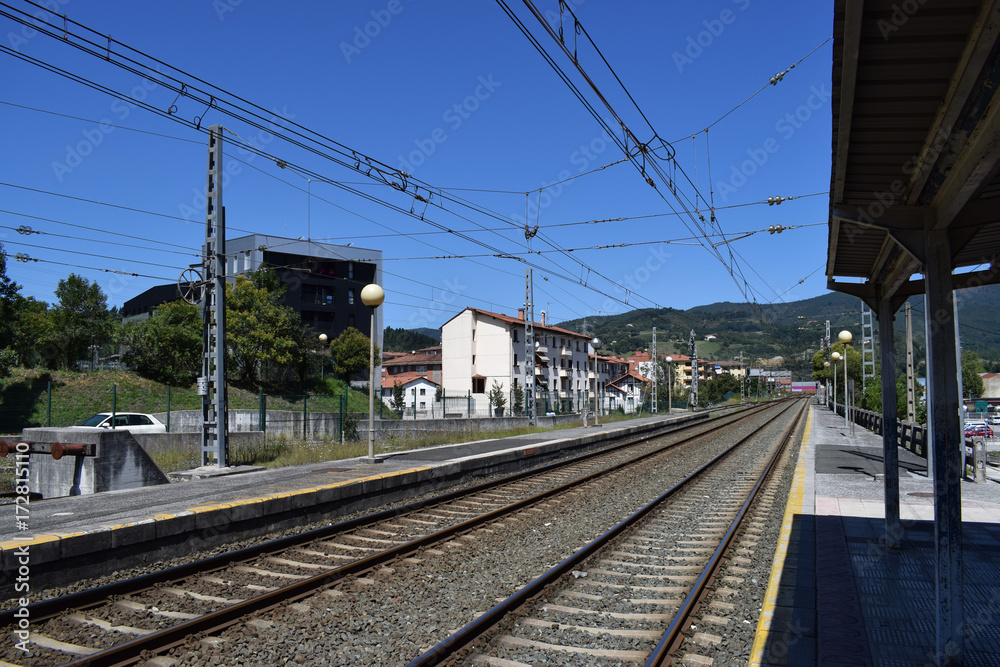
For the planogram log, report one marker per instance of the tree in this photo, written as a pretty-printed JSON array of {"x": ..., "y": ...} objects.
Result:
[
  {"x": 518, "y": 405},
  {"x": 10, "y": 305},
  {"x": 404, "y": 340},
  {"x": 80, "y": 319},
  {"x": 35, "y": 329},
  {"x": 260, "y": 331},
  {"x": 350, "y": 352},
  {"x": 398, "y": 397},
  {"x": 497, "y": 397},
  {"x": 167, "y": 346},
  {"x": 714, "y": 389},
  {"x": 972, "y": 382}
]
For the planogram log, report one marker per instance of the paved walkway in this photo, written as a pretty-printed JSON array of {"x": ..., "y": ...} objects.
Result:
[{"x": 837, "y": 595}]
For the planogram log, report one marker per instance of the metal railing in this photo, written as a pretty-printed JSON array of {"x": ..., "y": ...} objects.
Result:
[{"x": 910, "y": 436}]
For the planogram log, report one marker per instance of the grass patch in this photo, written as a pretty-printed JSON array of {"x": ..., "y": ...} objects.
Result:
[{"x": 75, "y": 396}]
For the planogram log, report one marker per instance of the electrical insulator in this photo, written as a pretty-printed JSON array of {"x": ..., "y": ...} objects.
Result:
[
  {"x": 775, "y": 229},
  {"x": 771, "y": 201}
]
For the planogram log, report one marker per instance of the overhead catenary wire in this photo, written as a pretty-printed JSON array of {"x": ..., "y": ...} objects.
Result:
[
  {"x": 104, "y": 50},
  {"x": 445, "y": 230}
]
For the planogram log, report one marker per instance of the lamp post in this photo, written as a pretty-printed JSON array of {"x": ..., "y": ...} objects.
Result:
[
  {"x": 836, "y": 357},
  {"x": 845, "y": 338},
  {"x": 670, "y": 383},
  {"x": 322, "y": 367},
  {"x": 595, "y": 342},
  {"x": 826, "y": 364},
  {"x": 372, "y": 296}
]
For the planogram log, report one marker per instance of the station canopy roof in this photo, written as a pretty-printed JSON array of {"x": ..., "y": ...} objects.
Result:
[{"x": 916, "y": 143}]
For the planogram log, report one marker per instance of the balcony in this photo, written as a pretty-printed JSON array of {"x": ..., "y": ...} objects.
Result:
[
  {"x": 563, "y": 373},
  {"x": 591, "y": 375},
  {"x": 565, "y": 352}
]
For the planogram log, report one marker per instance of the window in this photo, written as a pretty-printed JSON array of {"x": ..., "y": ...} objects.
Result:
[
  {"x": 473, "y": 360},
  {"x": 350, "y": 319},
  {"x": 577, "y": 346},
  {"x": 514, "y": 335},
  {"x": 350, "y": 296},
  {"x": 515, "y": 360},
  {"x": 350, "y": 269},
  {"x": 478, "y": 385},
  {"x": 423, "y": 405},
  {"x": 423, "y": 392}
]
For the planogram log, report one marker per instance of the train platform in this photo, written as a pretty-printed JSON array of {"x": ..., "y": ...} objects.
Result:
[
  {"x": 89, "y": 535},
  {"x": 837, "y": 595}
]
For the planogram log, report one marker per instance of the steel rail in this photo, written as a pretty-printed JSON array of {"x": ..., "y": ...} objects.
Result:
[
  {"x": 132, "y": 651},
  {"x": 672, "y": 637},
  {"x": 463, "y": 637},
  {"x": 45, "y": 609}
]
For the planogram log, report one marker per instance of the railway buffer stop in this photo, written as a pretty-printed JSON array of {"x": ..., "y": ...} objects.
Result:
[{"x": 913, "y": 210}]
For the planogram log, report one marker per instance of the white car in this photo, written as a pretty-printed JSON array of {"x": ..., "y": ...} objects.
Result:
[{"x": 133, "y": 422}]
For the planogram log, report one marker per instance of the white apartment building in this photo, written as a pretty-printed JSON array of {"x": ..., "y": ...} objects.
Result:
[{"x": 480, "y": 348}]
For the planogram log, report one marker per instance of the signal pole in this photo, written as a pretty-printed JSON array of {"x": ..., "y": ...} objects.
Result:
[
  {"x": 212, "y": 383},
  {"x": 529, "y": 349},
  {"x": 911, "y": 403},
  {"x": 742, "y": 379},
  {"x": 655, "y": 373},
  {"x": 693, "y": 398}
]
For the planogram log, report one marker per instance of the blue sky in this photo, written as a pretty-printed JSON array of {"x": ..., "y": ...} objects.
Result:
[{"x": 456, "y": 96}]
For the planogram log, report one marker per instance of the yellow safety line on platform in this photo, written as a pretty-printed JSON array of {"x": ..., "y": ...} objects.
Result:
[
  {"x": 796, "y": 497},
  {"x": 205, "y": 507}
]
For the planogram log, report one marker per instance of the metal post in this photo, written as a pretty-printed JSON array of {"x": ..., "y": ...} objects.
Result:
[
  {"x": 670, "y": 387},
  {"x": 911, "y": 405},
  {"x": 847, "y": 422},
  {"x": 890, "y": 455},
  {"x": 261, "y": 411},
  {"x": 946, "y": 446},
  {"x": 693, "y": 398},
  {"x": 371, "y": 392},
  {"x": 654, "y": 408},
  {"x": 530, "y": 408},
  {"x": 212, "y": 383},
  {"x": 168, "y": 408}
]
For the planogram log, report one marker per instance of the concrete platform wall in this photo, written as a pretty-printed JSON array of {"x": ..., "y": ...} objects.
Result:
[{"x": 118, "y": 462}]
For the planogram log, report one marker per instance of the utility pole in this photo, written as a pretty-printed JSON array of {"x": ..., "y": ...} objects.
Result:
[
  {"x": 742, "y": 379},
  {"x": 867, "y": 346},
  {"x": 656, "y": 369},
  {"x": 212, "y": 383},
  {"x": 911, "y": 403},
  {"x": 693, "y": 397},
  {"x": 529, "y": 348}
]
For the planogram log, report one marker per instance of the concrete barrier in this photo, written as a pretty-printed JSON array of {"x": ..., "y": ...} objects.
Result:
[{"x": 112, "y": 460}]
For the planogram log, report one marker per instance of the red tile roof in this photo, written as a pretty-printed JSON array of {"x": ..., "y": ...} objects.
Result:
[{"x": 388, "y": 381}]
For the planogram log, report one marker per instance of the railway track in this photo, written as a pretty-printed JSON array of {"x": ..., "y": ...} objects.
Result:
[
  {"x": 116, "y": 624},
  {"x": 609, "y": 602}
]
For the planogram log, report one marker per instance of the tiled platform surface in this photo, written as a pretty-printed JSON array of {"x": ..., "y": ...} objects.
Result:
[{"x": 839, "y": 597}]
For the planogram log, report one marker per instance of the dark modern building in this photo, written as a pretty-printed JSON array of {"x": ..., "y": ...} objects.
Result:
[{"x": 322, "y": 281}]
